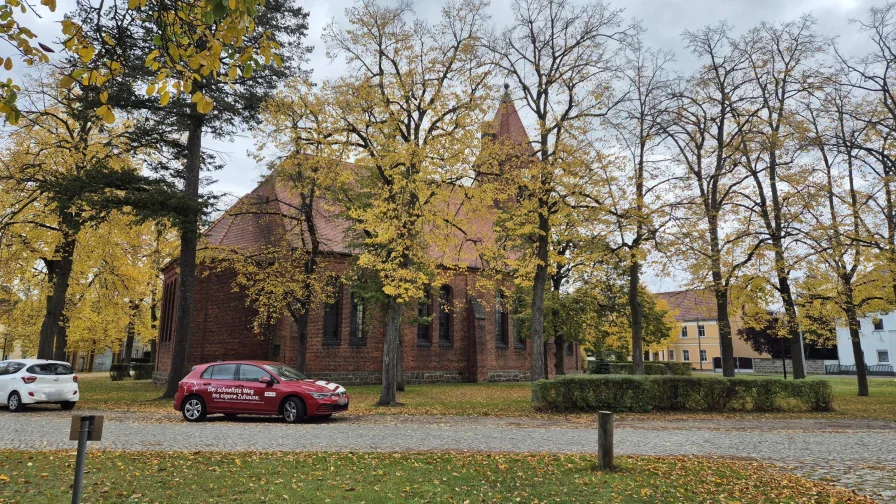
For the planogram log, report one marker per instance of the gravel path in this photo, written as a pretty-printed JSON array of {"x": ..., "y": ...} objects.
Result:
[{"x": 856, "y": 454}]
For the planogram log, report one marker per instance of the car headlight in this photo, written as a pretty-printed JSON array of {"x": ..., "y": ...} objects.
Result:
[{"x": 322, "y": 395}]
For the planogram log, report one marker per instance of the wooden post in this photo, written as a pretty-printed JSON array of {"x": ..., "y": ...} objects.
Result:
[{"x": 605, "y": 439}]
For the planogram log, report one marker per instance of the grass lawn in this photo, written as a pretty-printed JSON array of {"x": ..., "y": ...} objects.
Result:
[
  {"x": 382, "y": 478},
  {"x": 492, "y": 399}
]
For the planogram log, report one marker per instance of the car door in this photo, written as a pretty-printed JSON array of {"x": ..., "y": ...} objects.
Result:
[
  {"x": 218, "y": 387},
  {"x": 260, "y": 398}
]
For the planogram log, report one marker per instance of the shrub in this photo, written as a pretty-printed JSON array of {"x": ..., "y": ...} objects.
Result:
[
  {"x": 143, "y": 371},
  {"x": 119, "y": 372},
  {"x": 592, "y": 393},
  {"x": 817, "y": 395},
  {"x": 653, "y": 368},
  {"x": 622, "y": 368},
  {"x": 599, "y": 366},
  {"x": 679, "y": 393}
]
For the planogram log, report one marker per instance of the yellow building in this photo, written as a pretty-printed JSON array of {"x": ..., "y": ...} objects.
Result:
[{"x": 699, "y": 339}]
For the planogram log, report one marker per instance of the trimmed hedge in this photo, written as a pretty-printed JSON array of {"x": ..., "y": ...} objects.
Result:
[
  {"x": 599, "y": 366},
  {"x": 653, "y": 368},
  {"x": 679, "y": 393},
  {"x": 143, "y": 371},
  {"x": 120, "y": 372}
]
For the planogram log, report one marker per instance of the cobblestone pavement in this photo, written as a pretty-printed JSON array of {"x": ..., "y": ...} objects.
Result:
[{"x": 860, "y": 455}]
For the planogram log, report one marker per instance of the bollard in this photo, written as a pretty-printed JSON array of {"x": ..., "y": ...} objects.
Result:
[
  {"x": 605, "y": 439},
  {"x": 83, "y": 435},
  {"x": 84, "y": 428}
]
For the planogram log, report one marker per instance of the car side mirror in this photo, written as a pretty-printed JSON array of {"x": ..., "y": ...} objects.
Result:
[{"x": 265, "y": 380}]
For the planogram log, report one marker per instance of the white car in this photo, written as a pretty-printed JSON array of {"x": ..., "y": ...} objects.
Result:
[{"x": 32, "y": 381}]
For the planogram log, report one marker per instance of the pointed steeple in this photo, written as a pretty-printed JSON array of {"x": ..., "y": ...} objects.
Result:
[{"x": 507, "y": 125}]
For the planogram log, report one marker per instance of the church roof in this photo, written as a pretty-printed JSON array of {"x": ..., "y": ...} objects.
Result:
[{"x": 269, "y": 216}]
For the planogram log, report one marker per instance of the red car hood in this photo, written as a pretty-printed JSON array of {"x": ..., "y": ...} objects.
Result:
[{"x": 315, "y": 386}]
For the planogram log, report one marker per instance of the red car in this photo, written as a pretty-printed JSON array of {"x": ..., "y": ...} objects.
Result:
[{"x": 256, "y": 388}]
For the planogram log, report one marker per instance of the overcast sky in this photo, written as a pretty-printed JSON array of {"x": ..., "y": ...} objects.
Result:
[{"x": 664, "y": 21}]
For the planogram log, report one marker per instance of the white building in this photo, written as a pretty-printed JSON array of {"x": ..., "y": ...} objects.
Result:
[{"x": 878, "y": 336}]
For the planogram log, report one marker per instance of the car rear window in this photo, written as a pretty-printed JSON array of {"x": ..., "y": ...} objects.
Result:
[
  {"x": 51, "y": 369},
  {"x": 220, "y": 372}
]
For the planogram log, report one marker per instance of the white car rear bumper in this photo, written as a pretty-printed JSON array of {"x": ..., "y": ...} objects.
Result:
[{"x": 33, "y": 395}]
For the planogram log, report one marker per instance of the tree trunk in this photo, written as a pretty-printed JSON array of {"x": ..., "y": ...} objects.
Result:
[
  {"x": 852, "y": 320},
  {"x": 559, "y": 354},
  {"x": 727, "y": 346},
  {"x": 721, "y": 294},
  {"x": 129, "y": 344},
  {"x": 189, "y": 238},
  {"x": 61, "y": 341},
  {"x": 302, "y": 347},
  {"x": 388, "y": 394},
  {"x": 637, "y": 314},
  {"x": 793, "y": 328},
  {"x": 90, "y": 361},
  {"x": 539, "y": 371},
  {"x": 59, "y": 271}
]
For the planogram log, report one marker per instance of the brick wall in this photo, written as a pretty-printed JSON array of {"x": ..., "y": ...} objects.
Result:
[
  {"x": 222, "y": 330},
  {"x": 813, "y": 366},
  {"x": 222, "y": 325}
]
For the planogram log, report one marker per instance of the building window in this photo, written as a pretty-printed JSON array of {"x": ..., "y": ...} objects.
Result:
[
  {"x": 671, "y": 355},
  {"x": 883, "y": 357},
  {"x": 169, "y": 309},
  {"x": 646, "y": 356},
  {"x": 686, "y": 355},
  {"x": 701, "y": 331},
  {"x": 357, "y": 336},
  {"x": 703, "y": 356},
  {"x": 331, "y": 321},
  {"x": 570, "y": 349},
  {"x": 878, "y": 324},
  {"x": 424, "y": 322},
  {"x": 656, "y": 356},
  {"x": 519, "y": 341},
  {"x": 501, "y": 329},
  {"x": 684, "y": 331},
  {"x": 445, "y": 316}
]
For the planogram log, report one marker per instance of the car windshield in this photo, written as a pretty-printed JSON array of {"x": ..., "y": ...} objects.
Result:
[{"x": 285, "y": 373}]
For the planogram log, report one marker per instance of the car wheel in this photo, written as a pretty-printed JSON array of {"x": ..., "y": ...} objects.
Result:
[
  {"x": 14, "y": 401},
  {"x": 193, "y": 409},
  {"x": 293, "y": 410},
  {"x": 68, "y": 405}
]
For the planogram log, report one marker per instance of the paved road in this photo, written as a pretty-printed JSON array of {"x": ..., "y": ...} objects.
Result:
[{"x": 854, "y": 454}]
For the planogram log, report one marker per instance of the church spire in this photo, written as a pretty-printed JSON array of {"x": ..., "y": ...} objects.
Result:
[{"x": 505, "y": 98}]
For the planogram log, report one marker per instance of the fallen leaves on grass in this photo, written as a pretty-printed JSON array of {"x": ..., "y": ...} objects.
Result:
[{"x": 409, "y": 477}]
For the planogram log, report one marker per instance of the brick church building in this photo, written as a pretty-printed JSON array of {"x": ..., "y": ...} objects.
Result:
[{"x": 473, "y": 340}]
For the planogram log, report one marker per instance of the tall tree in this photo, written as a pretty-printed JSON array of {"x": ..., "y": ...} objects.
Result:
[
  {"x": 708, "y": 127},
  {"x": 64, "y": 169},
  {"x": 407, "y": 112},
  {"x": 211, "y": 66},
  {"x": 561, "y": 58},
  {"x": 841, "y": 277},
  {"x": 871, "y": 75},
  {"x": 629, "y": 188},
  {"x": 784, "y": 67}
]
